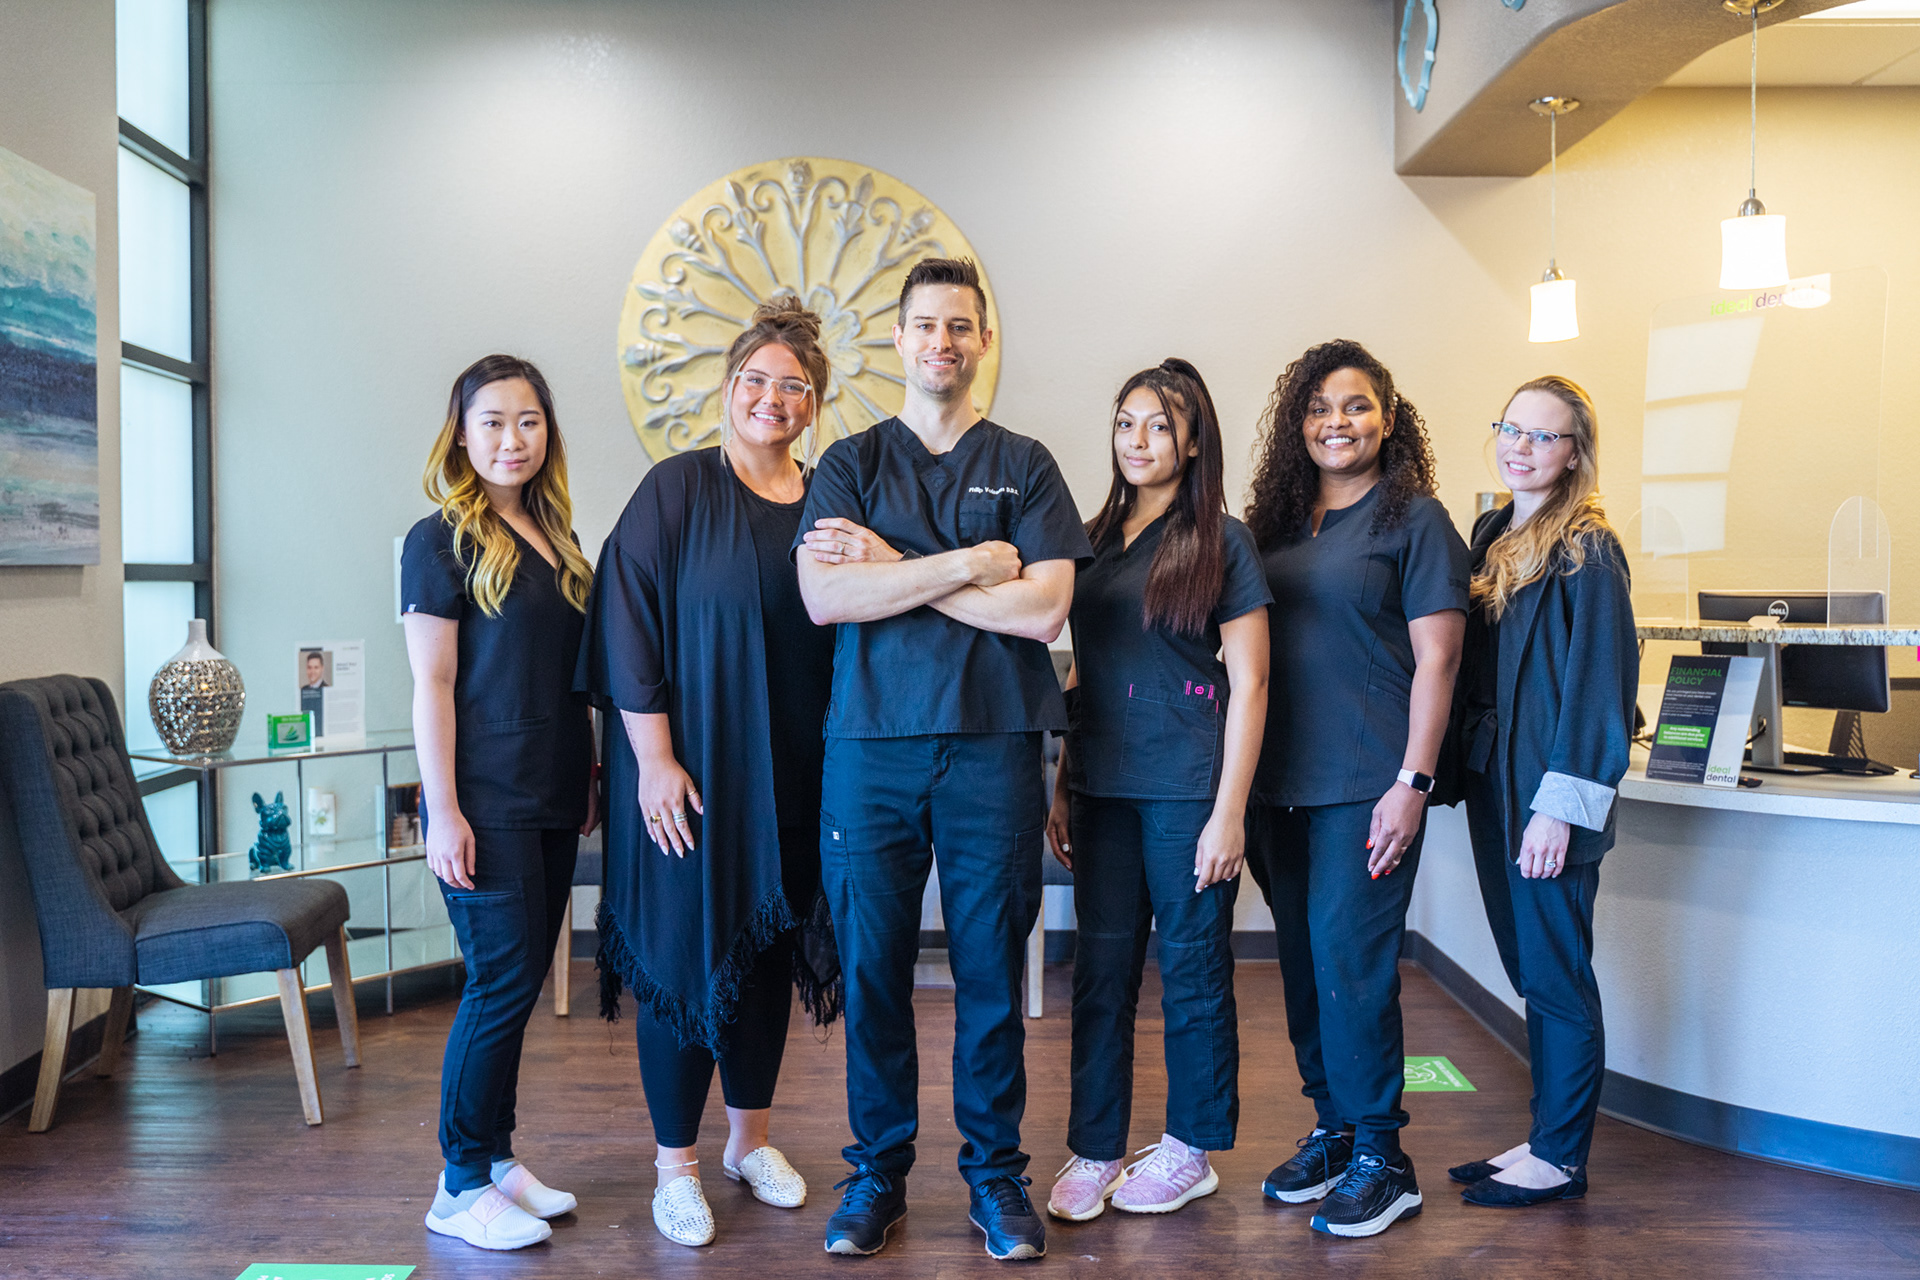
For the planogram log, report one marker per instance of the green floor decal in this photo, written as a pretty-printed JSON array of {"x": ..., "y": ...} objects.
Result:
[
  {"x": 326, "y": 1271},
  {"x": 1435, "y": 1075}
]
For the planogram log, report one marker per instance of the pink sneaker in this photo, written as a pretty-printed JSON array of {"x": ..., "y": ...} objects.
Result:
[
  {"x": 1083, "y": 1188},
  {"x": 1172, "y": 1174}
]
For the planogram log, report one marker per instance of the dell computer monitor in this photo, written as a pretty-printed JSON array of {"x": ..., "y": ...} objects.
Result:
[{"x": 1831, "y": 677}]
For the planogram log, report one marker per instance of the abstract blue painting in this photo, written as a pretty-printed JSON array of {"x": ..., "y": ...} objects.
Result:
[{"x": 49, "y": 372}]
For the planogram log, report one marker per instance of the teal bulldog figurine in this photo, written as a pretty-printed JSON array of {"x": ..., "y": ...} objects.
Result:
[{"x": 271, "y": 850}]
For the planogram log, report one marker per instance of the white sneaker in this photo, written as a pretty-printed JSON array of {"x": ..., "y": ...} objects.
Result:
[
  {"x": 772, "y": 1179},
  {"x": 680, "y": 1212},
  {"x": 533, "y": 1195},
  {"x": 492, "y": 1222}
]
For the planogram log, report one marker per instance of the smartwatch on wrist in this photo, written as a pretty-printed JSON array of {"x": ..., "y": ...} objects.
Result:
[{"x": 1421, "y": 782}]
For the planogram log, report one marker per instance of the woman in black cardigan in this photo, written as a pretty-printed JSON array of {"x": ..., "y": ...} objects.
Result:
[
  {"x": 1552, "y": 672},
  {"x": 697, "y": 635}
]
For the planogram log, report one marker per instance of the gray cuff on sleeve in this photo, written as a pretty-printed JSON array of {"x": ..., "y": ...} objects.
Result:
[{"x": 1574, "y": 800}]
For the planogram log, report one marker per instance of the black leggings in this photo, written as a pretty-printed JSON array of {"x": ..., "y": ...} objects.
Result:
[{"x": 676, "y": 1080}]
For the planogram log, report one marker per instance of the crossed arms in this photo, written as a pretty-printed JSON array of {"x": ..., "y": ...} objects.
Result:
[{"x": 849, "y": 574}]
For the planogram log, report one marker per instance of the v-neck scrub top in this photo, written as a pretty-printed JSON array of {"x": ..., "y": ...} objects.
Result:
[
  {"x": 921, "y": 672},
  {"x": 1148, "y": 718},
  {"x": 1341, "y": 684},
  {"x": 522, "y": 738}
]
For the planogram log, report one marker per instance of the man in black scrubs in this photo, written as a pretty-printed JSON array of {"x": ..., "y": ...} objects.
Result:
[{"x": 942, "y": 689}]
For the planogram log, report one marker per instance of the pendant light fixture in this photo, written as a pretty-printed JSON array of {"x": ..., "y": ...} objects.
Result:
[
  {"x": 1753, "y": 243},
  {"x": 1555, "y": 318}
]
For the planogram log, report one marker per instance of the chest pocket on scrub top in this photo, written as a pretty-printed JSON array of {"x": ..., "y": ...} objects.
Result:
[
  {"x": 987, "y": 516},
  {"x": 1172, "y": 742}
]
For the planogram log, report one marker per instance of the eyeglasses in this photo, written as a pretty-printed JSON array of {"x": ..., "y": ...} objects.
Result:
[
  {"x": 1538, "y": 439},
  {"x": 789, "y": 388}
]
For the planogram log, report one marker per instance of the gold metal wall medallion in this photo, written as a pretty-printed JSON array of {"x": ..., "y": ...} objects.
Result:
[{"x": 839, "y": 236}]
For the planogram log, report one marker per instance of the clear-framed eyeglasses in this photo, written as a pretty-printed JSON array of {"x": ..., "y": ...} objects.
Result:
[
  {"x": 1538, "y": 439},
  {"x": 758, "y": 384}
]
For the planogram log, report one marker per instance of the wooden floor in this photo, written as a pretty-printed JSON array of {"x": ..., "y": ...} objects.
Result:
[{"x": 187, "y": 1166}]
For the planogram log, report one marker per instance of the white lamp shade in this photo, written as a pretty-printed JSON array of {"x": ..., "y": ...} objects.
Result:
[
  {"x": 1753, "y": 251},
  {"x": 1554, "y": 316}
]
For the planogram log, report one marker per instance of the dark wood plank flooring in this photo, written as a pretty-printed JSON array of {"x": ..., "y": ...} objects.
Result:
[{"x": 186, "y": 1166}]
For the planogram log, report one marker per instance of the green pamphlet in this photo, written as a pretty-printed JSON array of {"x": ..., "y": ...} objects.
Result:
[{"x": 1435, "y": 1075}]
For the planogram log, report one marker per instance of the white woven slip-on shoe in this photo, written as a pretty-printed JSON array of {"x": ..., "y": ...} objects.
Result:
[
  {"x": 680, "y": 1212},
  {"x": 770, "y": 1177}
]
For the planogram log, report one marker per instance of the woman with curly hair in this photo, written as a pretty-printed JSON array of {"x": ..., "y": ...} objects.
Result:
[
  {"x": 1369, "y": 584},
  {"x": 1550, "y": 682}
]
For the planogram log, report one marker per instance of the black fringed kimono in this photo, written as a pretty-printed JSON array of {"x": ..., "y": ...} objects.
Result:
[{"x": 688, "y": 595}]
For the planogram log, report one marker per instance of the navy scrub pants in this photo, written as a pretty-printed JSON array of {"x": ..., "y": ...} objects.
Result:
[
  {"x": 886, "y": 805},
  {"x": 507, "y": 925},
  {"x": 1339, "y": 933},
  {"x": 1544, "y": 930},
  {"x": 1133, "y": 867}
]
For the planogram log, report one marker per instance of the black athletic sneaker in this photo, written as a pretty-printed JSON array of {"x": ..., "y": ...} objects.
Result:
[
  {"x": 1370, "y": 1198},
  {"x": 1323, "y": 1157},
  {"x": 1002, "y": 1211},
  {"x": 874, "y": 1202}
]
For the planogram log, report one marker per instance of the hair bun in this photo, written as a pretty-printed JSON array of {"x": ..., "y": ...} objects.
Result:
[
  {"x": 1174, "y": 364},
  {"x": 787, "y": 314}
]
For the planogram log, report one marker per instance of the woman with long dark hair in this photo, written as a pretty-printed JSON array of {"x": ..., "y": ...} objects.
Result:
[
  {"x": 1149, "y": 807},
  {"x": 1369, "y": 585},
  {"x": 494, "y": 586},
  {"x": 698, "y": 638},
  {"x": 1552, "y": 671}
]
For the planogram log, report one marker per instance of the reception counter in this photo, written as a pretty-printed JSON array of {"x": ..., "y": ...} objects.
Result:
[{"x": 1758, "y": 953}]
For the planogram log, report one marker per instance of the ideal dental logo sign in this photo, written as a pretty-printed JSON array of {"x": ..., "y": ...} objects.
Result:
[
  {"x": 1809, "y": 291},
  {"x": 1758, "y": 302}
]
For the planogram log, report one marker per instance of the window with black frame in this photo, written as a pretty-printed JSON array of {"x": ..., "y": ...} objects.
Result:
[{"x": 165, "y": 426}]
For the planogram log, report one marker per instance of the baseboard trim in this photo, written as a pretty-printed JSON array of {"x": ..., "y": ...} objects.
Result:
[
  {"x": 1865, "y": 1155},
  {"x": 18, "y": 1082}
]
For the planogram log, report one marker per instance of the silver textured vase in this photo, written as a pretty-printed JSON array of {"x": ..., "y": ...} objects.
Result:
[{"x": 196, "y": 697}]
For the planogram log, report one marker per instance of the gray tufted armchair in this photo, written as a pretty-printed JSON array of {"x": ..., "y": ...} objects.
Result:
[{"x": 112, "y": 913}]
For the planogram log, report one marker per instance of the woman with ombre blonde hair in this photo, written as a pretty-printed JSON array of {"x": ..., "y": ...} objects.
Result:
[
  {"x": 1552, "y": 669},
  {"x": 494, "y": 589}
]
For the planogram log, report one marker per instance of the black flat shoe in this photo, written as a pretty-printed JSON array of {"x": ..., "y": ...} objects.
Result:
[
  {"x": 1505, "y": 1195},
  {"x": 1473, "y": 1171}
]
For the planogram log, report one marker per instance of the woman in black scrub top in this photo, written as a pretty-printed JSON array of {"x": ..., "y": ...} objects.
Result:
[
  {"x": 1551, "y": 673},
  {"x": 493, "y": 586},
  {"x": 1369, "y": 585},
  {"x": 1149, "y": 807},
  {"x": 697, "y": 635}
]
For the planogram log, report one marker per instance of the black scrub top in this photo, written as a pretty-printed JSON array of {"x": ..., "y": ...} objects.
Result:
[
  {"x": 795, "y": 707},
  {"x": 1148, "y": 715},
  {"x": 523, "y": 739},
  {"x": 922, "y": 672},
  {"x": 1342, "y": 678}
]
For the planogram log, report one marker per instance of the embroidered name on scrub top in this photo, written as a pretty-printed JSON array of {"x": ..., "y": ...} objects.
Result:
[{"x": 921, "y": 672}]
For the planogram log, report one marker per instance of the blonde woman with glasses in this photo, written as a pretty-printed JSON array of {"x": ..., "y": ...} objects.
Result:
[
  {"x": 494, "y": 587},
  {"x": 698, "y": 639},
  {"x": 1551, "y": 672}
]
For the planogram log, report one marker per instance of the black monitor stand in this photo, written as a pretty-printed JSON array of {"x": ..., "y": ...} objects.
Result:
[{"x": 1768, "y": 753}]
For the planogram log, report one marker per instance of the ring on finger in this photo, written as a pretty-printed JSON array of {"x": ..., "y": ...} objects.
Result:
[{"x": 653, "y": 819}]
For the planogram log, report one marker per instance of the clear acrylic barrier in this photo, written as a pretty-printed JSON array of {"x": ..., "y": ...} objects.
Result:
[
  {"x": 1656, "y": 552},
  {"x": 1762, "y": 419},
  {"x": 1859, "y": 564}
]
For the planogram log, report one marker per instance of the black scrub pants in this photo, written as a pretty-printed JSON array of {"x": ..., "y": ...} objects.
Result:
[
  {"x": 1544, "y": 930},
  {"x": 1133, "y": 867},
  {"x": 507, "y": 925},
  {"x": 1339, "y": 933},
  {"x": 677, "y": 1078},
  {"x": 886, "y": 805}
]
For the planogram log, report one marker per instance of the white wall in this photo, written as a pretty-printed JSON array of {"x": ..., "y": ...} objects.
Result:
[
  {"x": 404, "y": 185},
  {"x": 57, "y": 110}
]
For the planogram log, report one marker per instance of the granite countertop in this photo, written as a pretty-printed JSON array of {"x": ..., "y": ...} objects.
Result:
[{"x": 1741, "y": 633}]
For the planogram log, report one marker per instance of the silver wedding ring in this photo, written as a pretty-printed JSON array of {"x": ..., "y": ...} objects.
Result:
[{"x": 680, "y": 817}]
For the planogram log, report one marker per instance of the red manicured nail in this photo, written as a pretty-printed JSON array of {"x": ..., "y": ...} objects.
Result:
[{"x": 1369, "y": 844}]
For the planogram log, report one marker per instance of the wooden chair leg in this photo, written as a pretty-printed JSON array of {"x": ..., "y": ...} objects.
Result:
[
  {"x": 118, "y": 1014},
  {"x": 563, "y": 964},
  {"x": 53, "y": 1058},
  {"x": 293, "y": 1008},
  {"x": 344, "y": 1009},
  {"x": 1036, "y": 959}
]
